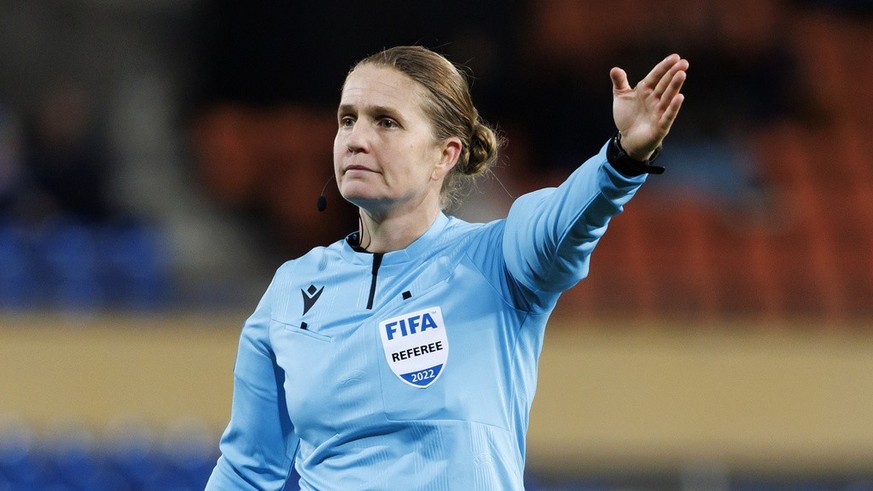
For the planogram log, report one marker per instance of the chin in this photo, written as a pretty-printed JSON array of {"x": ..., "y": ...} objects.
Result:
[{"x": 360, "y": 196}]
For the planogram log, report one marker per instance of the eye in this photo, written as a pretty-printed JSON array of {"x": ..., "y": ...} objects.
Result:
[
  {"x": 346, "y": 122},
  {"x": 386, "y": 122}
]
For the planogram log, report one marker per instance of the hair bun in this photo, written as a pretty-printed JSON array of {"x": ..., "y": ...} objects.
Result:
[{"x": 483, "y": 150}]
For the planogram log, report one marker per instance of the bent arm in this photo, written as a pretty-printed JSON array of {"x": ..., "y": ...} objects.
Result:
[{"x": 258, "y": 446}]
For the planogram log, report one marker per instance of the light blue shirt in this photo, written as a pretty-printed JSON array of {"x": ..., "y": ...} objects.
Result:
[{"x": 414, "y": 369}]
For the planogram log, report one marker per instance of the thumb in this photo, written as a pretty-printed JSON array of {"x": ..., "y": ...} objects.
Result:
[{"x": 619, "y": 80}]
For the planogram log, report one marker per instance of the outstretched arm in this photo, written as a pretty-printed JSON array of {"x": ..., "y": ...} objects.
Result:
[
  {"x": 550, "y": 233},
  {"x": 644, "y": 114}
]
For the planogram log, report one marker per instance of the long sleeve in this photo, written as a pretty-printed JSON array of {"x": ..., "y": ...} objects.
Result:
[
  {"x": 258, "y": 446},
  {"x": 551, "y": 233}
]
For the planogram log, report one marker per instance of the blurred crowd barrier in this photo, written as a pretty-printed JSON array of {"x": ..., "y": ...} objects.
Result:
[{"x": 120, "y": 403}]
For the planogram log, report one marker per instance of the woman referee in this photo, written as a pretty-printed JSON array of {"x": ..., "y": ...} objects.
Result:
[{"x": 404, "y": 356}]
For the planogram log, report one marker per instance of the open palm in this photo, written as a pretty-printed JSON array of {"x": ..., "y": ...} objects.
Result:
[{"x": 644, "y": 114}]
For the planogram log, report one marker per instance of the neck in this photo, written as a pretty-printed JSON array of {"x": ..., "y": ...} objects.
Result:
[{"x": 394, "y": 232}]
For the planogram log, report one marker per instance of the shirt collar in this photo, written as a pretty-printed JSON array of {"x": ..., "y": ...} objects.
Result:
[{"x": 416, "y": 249}]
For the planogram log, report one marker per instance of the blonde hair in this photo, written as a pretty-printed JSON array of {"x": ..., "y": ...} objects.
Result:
[{"x": 450, "y": 109}]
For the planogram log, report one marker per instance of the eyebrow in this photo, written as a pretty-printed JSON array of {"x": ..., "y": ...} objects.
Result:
[{"x": 349, "y": 108}]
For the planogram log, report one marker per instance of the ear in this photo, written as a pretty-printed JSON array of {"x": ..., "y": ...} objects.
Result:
[{"x": 450, "y": 153}]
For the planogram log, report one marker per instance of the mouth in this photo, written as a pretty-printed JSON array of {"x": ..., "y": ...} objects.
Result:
[{"x": 358, "y": 168}]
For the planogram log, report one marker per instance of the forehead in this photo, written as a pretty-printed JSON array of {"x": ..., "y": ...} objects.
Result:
[{"x": 375, "y": 85}]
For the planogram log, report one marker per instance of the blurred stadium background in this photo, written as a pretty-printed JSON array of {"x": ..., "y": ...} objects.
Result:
[{"x": 159, "y": 159}]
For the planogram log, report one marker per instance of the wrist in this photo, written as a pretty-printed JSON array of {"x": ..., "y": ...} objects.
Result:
[{"x": 627, "y": 165}]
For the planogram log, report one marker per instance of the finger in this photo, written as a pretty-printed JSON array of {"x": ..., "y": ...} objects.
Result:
[
  {"x": 619, "y": 80},
  {"x": 660, "y": 70},
  {"x": 673, "y": 86},
  {"x": 665, "y": 82},
  {"x": 671, "y": 112}
]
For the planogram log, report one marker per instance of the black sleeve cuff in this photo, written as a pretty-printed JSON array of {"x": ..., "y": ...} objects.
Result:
[{"x": 623, "y": 163}]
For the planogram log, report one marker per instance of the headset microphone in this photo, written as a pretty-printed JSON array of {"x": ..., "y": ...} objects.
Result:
[{"x": 321, "y": 204}]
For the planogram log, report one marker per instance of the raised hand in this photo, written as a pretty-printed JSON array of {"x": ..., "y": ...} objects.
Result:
[{"x": 644, "y": 114}]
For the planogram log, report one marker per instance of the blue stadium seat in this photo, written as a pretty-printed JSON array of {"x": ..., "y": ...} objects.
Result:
[
  {"x": 70, "y": 258},
  {"x": 17, "y": 286},
  {"x": 21, "y": 465},
  {"x": 134, "y": 268}
]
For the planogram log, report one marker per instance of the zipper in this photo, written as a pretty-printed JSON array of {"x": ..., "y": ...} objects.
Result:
[{"x": 377, "y": 261}]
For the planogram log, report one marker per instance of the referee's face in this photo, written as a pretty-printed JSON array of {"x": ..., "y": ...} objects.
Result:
[{"x": 385, "y": 154}]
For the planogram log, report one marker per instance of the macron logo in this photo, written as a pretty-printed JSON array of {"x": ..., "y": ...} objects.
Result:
[{"x": 310, "y": 296}]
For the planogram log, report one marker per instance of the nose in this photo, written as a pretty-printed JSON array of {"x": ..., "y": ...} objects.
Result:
[{"x": 358, "y": 138}]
